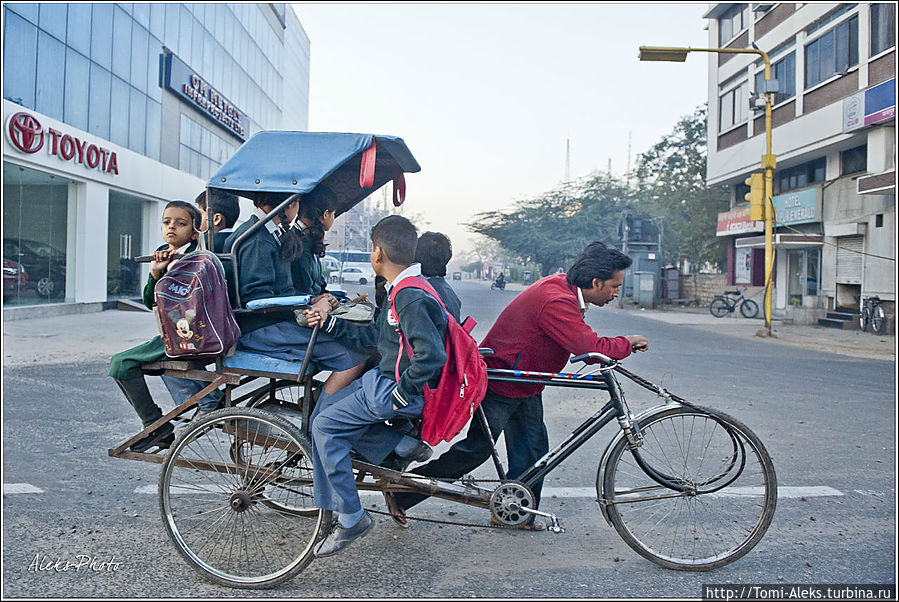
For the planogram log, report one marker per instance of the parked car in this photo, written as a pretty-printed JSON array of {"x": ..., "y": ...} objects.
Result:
[
  {"x": 45, "y": 265},
  {"x": 457, "y": 275},
  {"x": 15, "y": 279},
  {"x": 354, "y": 275}
]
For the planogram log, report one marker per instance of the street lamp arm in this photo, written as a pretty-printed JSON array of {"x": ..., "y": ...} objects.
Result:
[{"x": 679, "y": 54}]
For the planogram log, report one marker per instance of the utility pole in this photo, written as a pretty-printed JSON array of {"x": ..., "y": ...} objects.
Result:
[
  {"x": 627, "y": 174},
  {"x": 625, "y": 230},
  {"x": 567, "y": 160}
]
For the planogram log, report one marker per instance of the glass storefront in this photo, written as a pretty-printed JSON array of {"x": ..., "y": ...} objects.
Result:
[
  {"x": 35, "y": 235},
  {"x": 125, "y": 243},
  {"x": 803, "y": 267}
]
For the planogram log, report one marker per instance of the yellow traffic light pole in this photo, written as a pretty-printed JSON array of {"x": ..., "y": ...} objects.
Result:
[{"x": 769, "y": 160}]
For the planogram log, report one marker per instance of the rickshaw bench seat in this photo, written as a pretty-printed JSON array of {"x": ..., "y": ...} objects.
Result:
[{"x": 246, "y": 360}]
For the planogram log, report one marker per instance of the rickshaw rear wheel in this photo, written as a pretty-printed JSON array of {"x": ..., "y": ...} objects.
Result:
[{"x": 216, "y": 505}]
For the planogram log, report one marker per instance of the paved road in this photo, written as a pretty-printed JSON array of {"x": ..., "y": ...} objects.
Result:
[{"x": 827, "y": 420}]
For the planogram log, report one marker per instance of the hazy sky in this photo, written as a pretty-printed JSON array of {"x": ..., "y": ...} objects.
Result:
[{"x": 485, "y": 95}]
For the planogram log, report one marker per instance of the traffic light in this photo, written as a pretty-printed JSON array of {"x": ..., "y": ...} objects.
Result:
[{"x": 756, "y": 196}]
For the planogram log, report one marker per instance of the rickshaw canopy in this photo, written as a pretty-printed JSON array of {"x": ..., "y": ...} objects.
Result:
[{"x": 282, "y": 163}]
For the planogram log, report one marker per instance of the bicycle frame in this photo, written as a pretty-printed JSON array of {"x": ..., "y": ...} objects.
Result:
[{"x": 616, "y": 408}]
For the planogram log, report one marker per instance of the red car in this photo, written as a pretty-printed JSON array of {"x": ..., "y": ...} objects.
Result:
[{"x": 15, "y": 280}]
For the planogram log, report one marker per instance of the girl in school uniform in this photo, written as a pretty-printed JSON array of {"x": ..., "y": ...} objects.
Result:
[
  {"x": 181, "y": 226},
  {"x": 316, "y": 216},
  {"x": 264, "y": 271}
]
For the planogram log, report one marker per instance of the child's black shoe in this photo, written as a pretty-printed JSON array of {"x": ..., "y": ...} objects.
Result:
[{"x": 163, "y": 437}]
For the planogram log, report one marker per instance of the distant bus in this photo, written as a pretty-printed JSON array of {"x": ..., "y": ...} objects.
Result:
[
  {"x": 352, "y": 266},
  {"x": 351, "y": 258}
]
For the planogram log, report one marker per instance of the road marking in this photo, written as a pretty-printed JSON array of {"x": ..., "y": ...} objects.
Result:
[
  {"x": 782, "y": 492},
  {"x": 590, "y": 492},
  {"x": 14, "y": 488}
]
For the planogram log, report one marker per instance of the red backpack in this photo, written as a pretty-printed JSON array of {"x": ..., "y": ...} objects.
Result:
[{"x": 463, "y": 380}]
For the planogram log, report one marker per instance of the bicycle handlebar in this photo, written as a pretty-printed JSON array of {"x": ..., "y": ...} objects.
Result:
[{"x": 593, "y": 355}]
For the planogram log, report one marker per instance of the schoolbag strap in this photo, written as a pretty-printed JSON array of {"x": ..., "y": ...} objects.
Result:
[
  {"x": 409, "y": 282},
  {"x": 414, "y": 282}
]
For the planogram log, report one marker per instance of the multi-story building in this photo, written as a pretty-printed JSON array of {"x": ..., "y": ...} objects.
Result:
[
  {"x": 833, "y": 133},
  {"x": 112, "y": 110}
]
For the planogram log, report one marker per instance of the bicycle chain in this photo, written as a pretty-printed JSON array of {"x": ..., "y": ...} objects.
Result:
[
  {"x": 448, "y": 522},
  {"x": 434, "y": 520}
]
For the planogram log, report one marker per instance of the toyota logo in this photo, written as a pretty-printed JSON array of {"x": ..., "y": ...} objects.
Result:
[{"x": 26, "y": 133}]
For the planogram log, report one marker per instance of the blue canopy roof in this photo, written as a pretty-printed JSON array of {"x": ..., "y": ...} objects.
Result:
[{"x": 283, "y": 163}]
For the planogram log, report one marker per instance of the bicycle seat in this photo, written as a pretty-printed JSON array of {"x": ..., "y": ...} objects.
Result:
[
  {"x": 737, "y": 293},
  {"x": 485, "y": 351}
]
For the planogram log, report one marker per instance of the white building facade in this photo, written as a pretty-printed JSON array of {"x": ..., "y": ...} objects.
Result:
[
  {"x": 112, "y": 110},
  {"x": 833, "y": 132}
]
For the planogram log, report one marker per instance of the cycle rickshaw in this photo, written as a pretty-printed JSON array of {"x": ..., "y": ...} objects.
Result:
[{"x": 686, "y": 487}]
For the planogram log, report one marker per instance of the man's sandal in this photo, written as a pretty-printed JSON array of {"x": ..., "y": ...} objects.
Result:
[{"x": 396, "y": 512}]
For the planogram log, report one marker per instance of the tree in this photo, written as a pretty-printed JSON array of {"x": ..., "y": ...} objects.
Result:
[
  {"x": 552, "y": 229},
  {"x": 671, "y": 184}
]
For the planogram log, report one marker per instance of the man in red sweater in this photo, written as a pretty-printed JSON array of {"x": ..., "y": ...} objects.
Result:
[{"x": 542, "y": 327}]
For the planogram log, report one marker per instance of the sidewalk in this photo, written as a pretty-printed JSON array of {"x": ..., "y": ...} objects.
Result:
[
  {"x": 854, "y": 343},
  {"x": 97, "y": 336}
]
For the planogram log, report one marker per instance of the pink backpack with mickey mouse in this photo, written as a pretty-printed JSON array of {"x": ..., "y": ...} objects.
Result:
[{"x": 192, "y": 308}]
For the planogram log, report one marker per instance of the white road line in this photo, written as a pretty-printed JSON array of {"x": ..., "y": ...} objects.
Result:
[
  {"x": 782, "y": 492},
  {"x": 590, "y": 492},
  {"x": 15, "y": 488}
]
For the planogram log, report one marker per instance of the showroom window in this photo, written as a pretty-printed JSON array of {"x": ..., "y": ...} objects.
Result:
[
  {"x": 125, "y": 243},
  {"x": 35, "y": 224}
]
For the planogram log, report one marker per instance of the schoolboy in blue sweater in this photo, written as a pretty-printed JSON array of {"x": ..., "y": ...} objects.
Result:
[{"x": 380, "y": 397}]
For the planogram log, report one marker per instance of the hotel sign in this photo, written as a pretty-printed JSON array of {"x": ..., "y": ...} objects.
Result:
[
  {"x": 801, "y": 207},
  {"x": 183, "y": 81}
]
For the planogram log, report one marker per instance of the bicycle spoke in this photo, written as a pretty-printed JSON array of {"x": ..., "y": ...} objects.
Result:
[
  {"x": 695, "y": 528},
  {"x": 224, "y": 522}
]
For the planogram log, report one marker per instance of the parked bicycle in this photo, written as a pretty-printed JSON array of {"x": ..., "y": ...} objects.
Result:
[
  {"x": 871, "y": 314},
  {"x": 727, "y": 303}
]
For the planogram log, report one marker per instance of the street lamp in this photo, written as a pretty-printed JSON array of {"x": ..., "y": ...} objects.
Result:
[{"x": 769, "y": 160}]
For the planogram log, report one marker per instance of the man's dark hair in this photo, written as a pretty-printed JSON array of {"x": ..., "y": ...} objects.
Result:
[
  {"x": 596, "y": 261},
  {"x": 222, "y": 202},
  {"x": 398, "y": 237},
  {"x": 433, "y": 252}
]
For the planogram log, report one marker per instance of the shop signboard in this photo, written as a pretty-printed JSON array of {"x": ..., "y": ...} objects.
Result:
[
  {"x": 27, "y": 135},
  {"x": 184, "y": 82},
  {"x": 799, "y": 207},
  {"x": 876, "y": 104},
  {"x": 737, "y": 222},
  {"x": 880, "y": 102}
]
